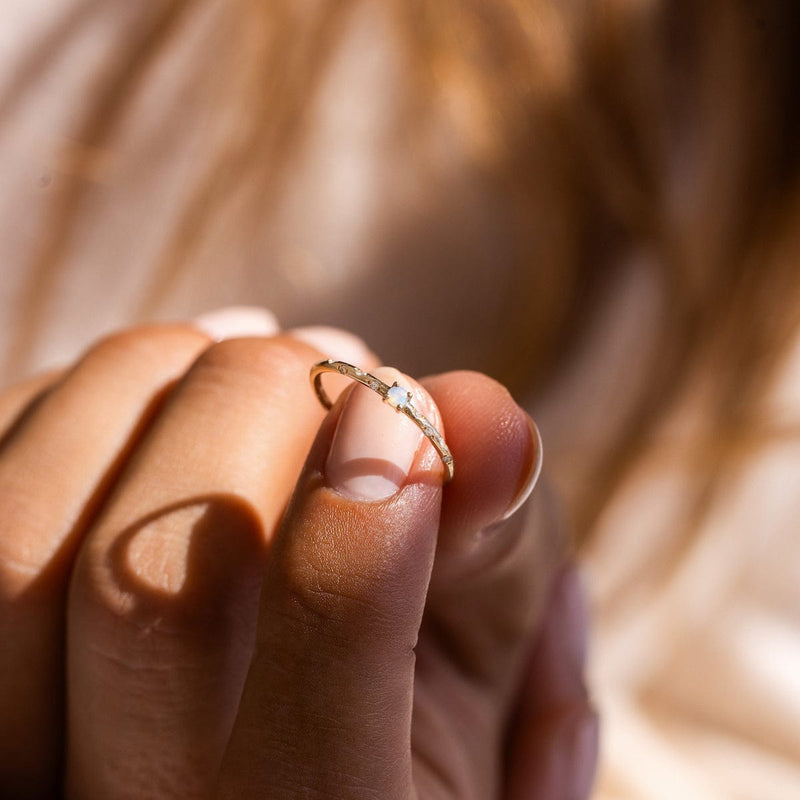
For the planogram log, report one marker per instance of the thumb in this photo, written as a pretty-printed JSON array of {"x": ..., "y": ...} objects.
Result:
[{"x": 326, "y": 710}]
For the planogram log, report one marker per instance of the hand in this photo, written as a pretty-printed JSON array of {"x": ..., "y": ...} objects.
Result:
[{"x": 153, "y": 479}]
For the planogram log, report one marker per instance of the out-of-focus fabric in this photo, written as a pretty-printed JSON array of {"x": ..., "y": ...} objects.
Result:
[
  {"x": 696, "y": 649},
  {"x": 696, "y": 657}
]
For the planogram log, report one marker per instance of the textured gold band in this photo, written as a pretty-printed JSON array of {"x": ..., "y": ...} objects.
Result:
[{"x": 396, "y": 396}]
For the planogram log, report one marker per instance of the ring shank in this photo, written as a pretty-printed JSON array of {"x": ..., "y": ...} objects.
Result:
[{"x": 383, "y": 389}]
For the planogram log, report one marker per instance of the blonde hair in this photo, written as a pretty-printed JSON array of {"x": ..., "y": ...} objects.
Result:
[{"x": 610, "y": 126}]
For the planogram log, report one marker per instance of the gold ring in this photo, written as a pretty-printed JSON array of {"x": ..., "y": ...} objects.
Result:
[{"x": 398, "y": 397}]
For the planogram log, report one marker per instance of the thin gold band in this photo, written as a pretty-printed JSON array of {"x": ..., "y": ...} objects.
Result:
[{"x": 396, "y": 396}]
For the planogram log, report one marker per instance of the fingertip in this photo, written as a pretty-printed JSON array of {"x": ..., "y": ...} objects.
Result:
[{"x": 498, "y": 451}]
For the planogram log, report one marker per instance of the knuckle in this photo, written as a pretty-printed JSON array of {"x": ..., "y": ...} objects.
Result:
[
  {"x": 24, "y": 550},
  {"x": 155, "y": 345},
  {"x": 276, "y": 354},
  {"x": 275, "y": 364},
  {"x": 18, "y": 570}
]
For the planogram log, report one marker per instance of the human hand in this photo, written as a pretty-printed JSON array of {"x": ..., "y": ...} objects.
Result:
[{"x": 161, "y": 505}]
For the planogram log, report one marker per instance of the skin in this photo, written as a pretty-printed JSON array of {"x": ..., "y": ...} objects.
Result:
[{"x": 198, "y": 611}]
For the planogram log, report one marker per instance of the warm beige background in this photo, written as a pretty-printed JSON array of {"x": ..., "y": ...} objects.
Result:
[{"x": 696, "y": 668}]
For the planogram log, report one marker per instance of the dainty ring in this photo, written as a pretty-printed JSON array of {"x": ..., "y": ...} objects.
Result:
[{"x": 398, "y": 397}]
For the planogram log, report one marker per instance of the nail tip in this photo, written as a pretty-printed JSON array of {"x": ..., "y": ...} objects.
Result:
[
  {"x": 233, "y": 322},
  {"x": 334, "y": 343},
  {"x": 533, "y": 475}
]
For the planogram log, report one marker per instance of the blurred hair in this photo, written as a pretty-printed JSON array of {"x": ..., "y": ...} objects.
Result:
[{"x": 664, "y": 127}]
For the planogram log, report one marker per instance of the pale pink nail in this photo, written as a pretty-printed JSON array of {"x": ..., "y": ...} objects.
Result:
[
  {"x": 374, "y": 446},
  {"x": 234, "y": 322},
  {"x": 335, "y": 343}
]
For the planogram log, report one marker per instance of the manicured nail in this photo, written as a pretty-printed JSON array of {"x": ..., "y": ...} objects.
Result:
[
  {"x": 374, "y": 447},
  {"x": 335, "y": 343},
  {"x": 533, "y": 474},
  {"x": 234, "y": 322}
]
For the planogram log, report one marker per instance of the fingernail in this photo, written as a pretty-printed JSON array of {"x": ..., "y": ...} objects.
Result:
[
  {"x": 582, "y": 740},
  {"x": 334, "y": 343},
  {"x": 237, "y": 321},
  {"x": 374, "y": 447},
  {"x": 533, "y": 474}
]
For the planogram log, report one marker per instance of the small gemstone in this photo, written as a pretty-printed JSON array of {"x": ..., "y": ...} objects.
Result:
[
  {"x": 397, "y": 396},
  {"x": 342, "y": 368},
  {"x": 374, "y": 385}
]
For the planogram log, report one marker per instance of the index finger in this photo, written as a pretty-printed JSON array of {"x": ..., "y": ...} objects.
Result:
[{"x": 164, "y": 596}]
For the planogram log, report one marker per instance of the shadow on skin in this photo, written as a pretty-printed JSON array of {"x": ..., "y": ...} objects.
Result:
[{"x": 194, "y": 565}]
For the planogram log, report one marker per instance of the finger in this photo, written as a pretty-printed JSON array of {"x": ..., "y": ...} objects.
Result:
[
  {"x": 164, "y": 597},
  {"x": 553, "y": 741},
  {"x": 496, "y": 552},
  {"x": 500, "y": 457},
  {"x": 495, "y": 558},
  {"x": 16, "y": 400},
  {"x": 326, "y": 710},
  {"x": 247, "y": 321},
  {"x": 55, "y": 466}
]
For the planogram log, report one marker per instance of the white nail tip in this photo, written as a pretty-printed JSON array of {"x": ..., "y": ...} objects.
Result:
[
  {"x": 236, "y": 322},
  {"x": 333, "y": 343}
]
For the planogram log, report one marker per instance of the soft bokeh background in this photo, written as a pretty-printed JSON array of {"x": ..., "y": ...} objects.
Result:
[{"x": 597, "y": 202}]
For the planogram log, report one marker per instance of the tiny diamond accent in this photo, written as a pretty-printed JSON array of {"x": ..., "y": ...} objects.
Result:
[
  {"x": 374, "y": 385},
  {"x": 342, "y": 368}
]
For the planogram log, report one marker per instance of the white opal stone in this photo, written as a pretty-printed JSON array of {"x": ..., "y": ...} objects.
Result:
[{"x": 397, "y": 396}]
